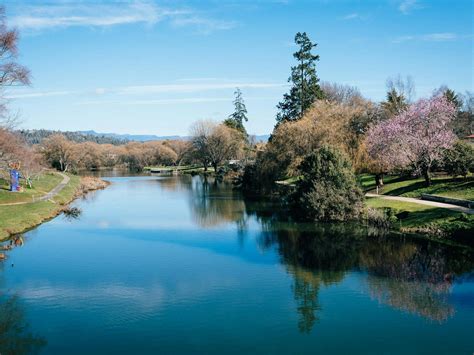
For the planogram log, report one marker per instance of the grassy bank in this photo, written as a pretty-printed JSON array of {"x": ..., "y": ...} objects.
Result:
[
  {"x": 19, "y": 218},
  {"x": 420, "y": 218},
  {"x": 41, "y": 186},
  {"x": 431, "y": 221},
  {"x": 441, "y": 185}
]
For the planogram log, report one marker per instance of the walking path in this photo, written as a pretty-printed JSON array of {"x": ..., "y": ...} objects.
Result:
[
  {"x": 423, "y": 202},
  {"x": 46, "y": 197}
]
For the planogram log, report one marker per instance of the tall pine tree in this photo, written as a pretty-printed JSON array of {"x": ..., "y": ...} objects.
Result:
[
  {"x": 236, "y": 119},
  {"x": 305, "y": 87}
]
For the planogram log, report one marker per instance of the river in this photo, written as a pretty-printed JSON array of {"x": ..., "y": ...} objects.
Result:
[{"x": 182, "y": 265}]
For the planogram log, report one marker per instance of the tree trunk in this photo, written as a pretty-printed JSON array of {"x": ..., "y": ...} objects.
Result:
[
  {"x": 427, "y": 176},
  {"x": 379, "y": 180}
]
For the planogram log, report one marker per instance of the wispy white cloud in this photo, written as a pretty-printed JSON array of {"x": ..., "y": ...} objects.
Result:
[
  {"x": 39, "y": 94},
  {"x": 352, "y": 16},
  {"x": 407, "y": 6},
  {"x": 147, "y": 90},
  {"x": 80, "y": 14},
  {"x": 38, "y": 17},
  {"x": 432, "y": 37},
  {"x": 203, "y": 24},
  {"x": 192, "y": 87},
  {"x": 185, "y": 100}
]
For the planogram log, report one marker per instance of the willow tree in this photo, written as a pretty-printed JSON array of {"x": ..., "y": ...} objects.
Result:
[{"x": 304, "y": 81}]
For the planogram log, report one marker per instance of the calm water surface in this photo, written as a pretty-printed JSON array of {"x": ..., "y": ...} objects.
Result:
[{"x": 174, "y": 265}]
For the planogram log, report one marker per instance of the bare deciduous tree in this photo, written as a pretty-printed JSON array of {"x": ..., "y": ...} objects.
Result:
[
  {"x": 340, "y": 93},
  {"x": 57, "y": 151},
  {"x": 214, "y": 143},
  {"x": 11, "y": 73},
  {"x": 181, "y": 148},
  {"x": 402, "y": 86}
]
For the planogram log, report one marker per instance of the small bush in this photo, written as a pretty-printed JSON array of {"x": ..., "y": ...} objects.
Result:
[
  {"x": 328, "y": 189},
  {"x": 383, "y": 218}
]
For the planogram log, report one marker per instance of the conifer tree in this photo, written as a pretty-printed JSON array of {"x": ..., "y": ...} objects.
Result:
[
  {"x": 305, "y": 87},
  {"x": 236, "y": 119}
]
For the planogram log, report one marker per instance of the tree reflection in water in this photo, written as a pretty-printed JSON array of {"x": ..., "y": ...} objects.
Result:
[
  {"x": 409, "y": 274},
  {"x": 15, "y": 337},
  {"x": 212, "y": 203}
]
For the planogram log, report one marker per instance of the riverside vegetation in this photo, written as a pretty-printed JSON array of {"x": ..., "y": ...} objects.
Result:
[
  {"x": 326, "y": 134},
  {"x": 24, "y": 215}
]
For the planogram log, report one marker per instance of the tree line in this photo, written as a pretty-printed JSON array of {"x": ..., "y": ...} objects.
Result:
[
  {"x": 327, "y": 133},
  {"x": 36, "y": 136}
]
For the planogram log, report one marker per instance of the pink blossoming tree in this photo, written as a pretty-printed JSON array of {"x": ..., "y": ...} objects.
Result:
[{"x": 415, "y": 138}]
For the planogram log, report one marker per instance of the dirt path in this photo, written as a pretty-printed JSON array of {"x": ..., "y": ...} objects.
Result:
[
  {"x": 46, "y": 197},
  {"x": 423, "y": 202}
]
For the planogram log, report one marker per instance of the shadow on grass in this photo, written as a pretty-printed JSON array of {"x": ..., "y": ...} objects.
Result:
[
  {"x": 424, "y": 217},
  {"x": 368, "y": 182},
  {"x": 438, "y": 186},
  {"x": 4, "y": 185},
  {"x": 459, "y": 227}
]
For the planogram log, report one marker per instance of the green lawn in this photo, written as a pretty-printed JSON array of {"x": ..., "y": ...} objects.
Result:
[
  {"x": 367, "y": 181},
  {"x": 16, "y": 219},
  {"x": 442, "y": 186},
  {"x": 42, "y": 185},
  {"x": 421, "y": 217}
]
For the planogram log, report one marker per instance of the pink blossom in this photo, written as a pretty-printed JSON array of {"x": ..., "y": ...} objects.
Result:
[{"x": 416, "y": 137}]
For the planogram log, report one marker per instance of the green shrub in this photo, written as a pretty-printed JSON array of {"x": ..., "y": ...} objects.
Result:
[
  {"x": 459, "y": 160},
  {"x": 383, "y": 218},
  {"x": 328, "y": 189}
]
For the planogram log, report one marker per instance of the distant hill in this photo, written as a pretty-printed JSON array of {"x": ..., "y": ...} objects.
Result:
[
  {"x": 36, "y": 136},
  {"x": 150, "y": 137},
  {"x": 133, "y": 137}
]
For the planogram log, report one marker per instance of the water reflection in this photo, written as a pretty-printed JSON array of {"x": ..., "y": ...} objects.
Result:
[
  {"x": 15, "y": 335},
  {"x": 171, "y": 283},
  {"x": 409, "y": 274},
  {"x": 211, "y": 203}
]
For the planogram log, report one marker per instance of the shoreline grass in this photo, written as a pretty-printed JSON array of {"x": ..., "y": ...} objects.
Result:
[
  {"x": 427, "y": 220},
  {"x": 41, "y": 186},
  {"x": 21, "y": 218}
]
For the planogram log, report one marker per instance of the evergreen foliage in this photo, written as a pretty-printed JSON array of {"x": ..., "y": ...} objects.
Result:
[
  {"x": 459, "y": 160},
  {"x": 395, "y": 104},
  {"x": 236, "y": 119},
  {"x": 304, "y": 81},
  {"x": 328, "y": 190}
]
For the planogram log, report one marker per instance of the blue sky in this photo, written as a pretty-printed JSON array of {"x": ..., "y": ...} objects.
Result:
[{"x": 156, "y": 66}]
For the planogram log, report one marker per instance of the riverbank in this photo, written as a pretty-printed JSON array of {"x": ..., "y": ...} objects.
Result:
[
  {"x": 423, "y": 219},
  {"x": 416, "y": 216},
  {"x": 15, "y": 219}
]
